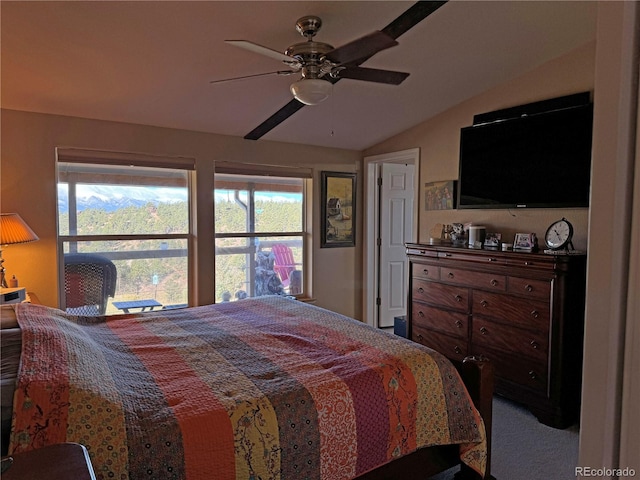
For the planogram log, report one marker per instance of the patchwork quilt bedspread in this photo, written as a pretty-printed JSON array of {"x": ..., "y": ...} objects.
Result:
[{"x": 265, "y": 388}]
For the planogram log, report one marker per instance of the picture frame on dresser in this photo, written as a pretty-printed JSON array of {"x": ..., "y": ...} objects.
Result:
[
  {"x": 492, "y": 240},
  {"x": 525, "y": 242}
]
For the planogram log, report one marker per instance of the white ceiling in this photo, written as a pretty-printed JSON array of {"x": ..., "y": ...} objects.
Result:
[{"x": 150, "y": 62}]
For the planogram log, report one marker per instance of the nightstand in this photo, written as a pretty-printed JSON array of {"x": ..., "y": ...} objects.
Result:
[{"x": 65, "y": 461}]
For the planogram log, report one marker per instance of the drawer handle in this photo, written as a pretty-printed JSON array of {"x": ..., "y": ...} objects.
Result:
[
  {"x": 533, "y": 375},
  {"x": 457, "y": 349},
  {"x": 528, "y": 288},
  {"x": 421, "y": 290},
  {"x": 420, "y": 313},
  {"x": 494, "y": 283},
  {"x": 458, "y": 298},
  {"x": 451, "y": 275},
  {"x": 458, "y": 324},
  {"x": 534, "y": 344},
  {"x": 491, "y": 259},
  {"x": 420, "y": 337},
  {"x": 484, "y": 303},
  {"x": 535, "y": 313},
  {"x": 483, "y": 330},
  {"x": 528, "y": 264},
  {"x": 447, "y": 254},
  {"x": 426, "y": 271}
]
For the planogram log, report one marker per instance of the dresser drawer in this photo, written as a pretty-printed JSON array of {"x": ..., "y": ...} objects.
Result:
[
  {"x": 516, "y": 369},
  {"x": 433, "y": 318},
  {"x": 496, "y": 336},
  {"x": 474, "y": 279},
  {"x": 428, "y": 272},
  {"x": 523, "y": 312},
  {"x": 539, "y": 263},
  {"x": 528, "y": 287},
  {"x": 429, "y": 251},
  {"x": 451, "y": 347},
  {"x": 438, "y": 294}
]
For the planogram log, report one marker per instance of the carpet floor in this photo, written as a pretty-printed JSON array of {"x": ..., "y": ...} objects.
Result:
[{"x": 525, "y": 449}]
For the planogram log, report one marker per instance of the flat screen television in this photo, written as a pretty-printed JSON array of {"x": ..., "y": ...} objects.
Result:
[{"x": 540, "y": 160}]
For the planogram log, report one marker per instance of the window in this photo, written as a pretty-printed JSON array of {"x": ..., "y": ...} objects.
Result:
[
  {"x": 133, "y": 219},
  {"x": 260, "y": 235}
]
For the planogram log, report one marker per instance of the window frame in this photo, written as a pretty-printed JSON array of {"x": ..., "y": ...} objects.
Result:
[
  {"x": 124, "y": 159},
  {"x": 254, "y": 170}
]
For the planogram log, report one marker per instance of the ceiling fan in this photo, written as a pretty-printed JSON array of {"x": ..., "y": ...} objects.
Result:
[{"x": 321, "y": 65}]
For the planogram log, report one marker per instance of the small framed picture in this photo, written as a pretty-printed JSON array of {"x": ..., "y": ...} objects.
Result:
[
  {"x": 525, "y": 242},
  {"x": 440, "y": 195},
  {"x": 492, "y": 240}
]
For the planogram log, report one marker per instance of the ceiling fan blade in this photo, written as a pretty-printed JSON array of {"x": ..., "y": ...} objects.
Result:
[
  {"x": 259, "y": 49},
  {"x": 244, "y": 77},
  {"x": 407, "y": 20},
  {"x": 373, "y": 75},
  {"x": 274, "y": 120},
  {"x": 363, "y": 47}
]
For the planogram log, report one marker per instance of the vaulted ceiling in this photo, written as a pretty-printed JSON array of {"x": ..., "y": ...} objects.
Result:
[{"x": 151, "y": 62}]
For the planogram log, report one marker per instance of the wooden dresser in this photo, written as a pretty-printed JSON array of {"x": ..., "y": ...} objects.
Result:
[{"x": 524, "y": 311}]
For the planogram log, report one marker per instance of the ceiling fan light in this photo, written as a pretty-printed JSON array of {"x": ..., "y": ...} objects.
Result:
[{"x": 311, "y": 91}]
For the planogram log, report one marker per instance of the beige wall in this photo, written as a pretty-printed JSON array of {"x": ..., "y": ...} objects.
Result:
[
  {"x": 28, "y": 187},
  {"x": 438, "y": 140}
]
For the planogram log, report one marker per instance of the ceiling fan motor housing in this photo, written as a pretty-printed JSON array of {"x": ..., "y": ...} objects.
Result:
[
  {"x": 309, "y": 53},
  {"x": 308, "y": 25}
]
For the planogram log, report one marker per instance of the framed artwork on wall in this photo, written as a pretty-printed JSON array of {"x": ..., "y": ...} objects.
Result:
[
  {"x": 338, "y": 209},
  {"x": 440, "y": 195}
]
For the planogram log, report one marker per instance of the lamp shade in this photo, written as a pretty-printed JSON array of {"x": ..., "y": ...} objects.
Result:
[
  {"x": 14, "y": 230},
  {"x": 311, "y": 91}
]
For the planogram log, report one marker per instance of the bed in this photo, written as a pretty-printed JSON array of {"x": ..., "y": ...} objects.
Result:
[{"x": 263, "y": 388}]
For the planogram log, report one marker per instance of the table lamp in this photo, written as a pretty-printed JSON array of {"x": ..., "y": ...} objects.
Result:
[{"x": 13, "y": 230}]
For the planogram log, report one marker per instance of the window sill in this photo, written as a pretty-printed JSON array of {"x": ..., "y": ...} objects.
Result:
[{"x": 306, "y": 299}]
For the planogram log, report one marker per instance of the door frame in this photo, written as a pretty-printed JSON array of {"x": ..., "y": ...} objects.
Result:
[{"x": 371, "y": 216}]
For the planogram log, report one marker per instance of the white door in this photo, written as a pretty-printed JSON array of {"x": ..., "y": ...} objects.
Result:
[{"x": 396, "y": 217}]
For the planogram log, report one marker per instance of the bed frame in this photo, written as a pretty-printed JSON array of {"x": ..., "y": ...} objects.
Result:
[{"x": 478, "y": 376}]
